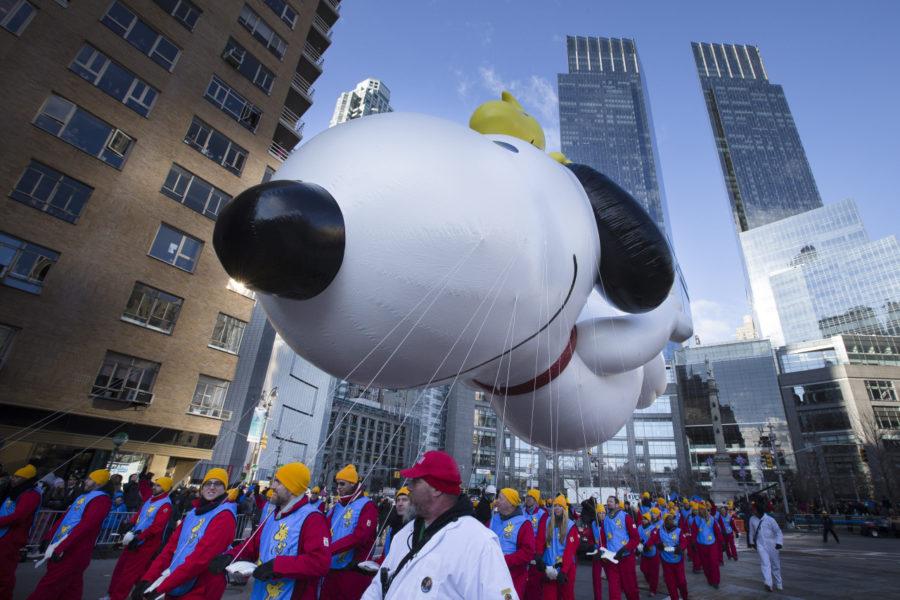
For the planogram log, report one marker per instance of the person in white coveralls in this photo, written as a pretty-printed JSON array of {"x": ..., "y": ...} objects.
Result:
[
  {"x": 444, "y": 552},
  {"x": 765, "y": 536}
]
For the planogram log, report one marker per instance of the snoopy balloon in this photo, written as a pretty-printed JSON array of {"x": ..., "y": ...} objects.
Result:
[{"x": 402, "y": 250}]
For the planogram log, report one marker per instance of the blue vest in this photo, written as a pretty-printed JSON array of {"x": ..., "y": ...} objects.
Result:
[
  {"x": 706, "y": 530},
  {"x": 9, "y": 507},
  {"x": 387, "y": 540},
  {"x": 343, "y": 522},
  {"x": 685, "y": 514},
  {"x": 645, "y": 509},
  {"x": 280, "y": 537},
  {"x": 316, "y": 503},
  {"x": 554, "y": 553},
  {"x": 725, "y": 523},
  {"x": 74, "y": 514},
  {"x": 267, "y": 510},
  {"x": 645, "y": 532},
  {"x": 508, "y": 531},
  {"x": 672, "y": 539},
  {"x": 599, "y": 542},
  {"x": 148, "y": 514},
  {"x": 616, "y": 532},
  {"x": 192, "y": 529},
  {"x": 535, "y": 518}
]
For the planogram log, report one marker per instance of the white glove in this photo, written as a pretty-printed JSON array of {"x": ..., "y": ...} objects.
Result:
[
  {"x": 609, "y": 555},
  {"x": 127, "y": 538},
  {"x": 156, "y": 583},
  {"x": 668, "y": 549},
  {"x": 551, "y": 573},
  {"x": 592, "y": 552},
  {"x": 243, "y": 568},
  {"x": 369, "y": 566},
  {"x": 48, "y": 553},
  {"x": 640, "y": 548}
]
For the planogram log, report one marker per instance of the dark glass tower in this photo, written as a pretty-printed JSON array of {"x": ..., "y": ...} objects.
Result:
[
  {"x": 604, "y": 118},
  {"x": 763, "y": 161}
]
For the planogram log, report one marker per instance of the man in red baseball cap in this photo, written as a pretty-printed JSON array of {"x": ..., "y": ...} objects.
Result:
[{"x": 444, "y": 550}]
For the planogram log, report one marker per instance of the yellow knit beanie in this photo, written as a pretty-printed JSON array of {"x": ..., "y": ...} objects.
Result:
[
  {"x": 349, "y": 474},
  {"x": 26, "y": 472},
  {"x": 217, "y": 473},
  {"x": 294, "y": 476},
  {"x": 100, "y": 476},
  {"x": 511, "y": 495}
]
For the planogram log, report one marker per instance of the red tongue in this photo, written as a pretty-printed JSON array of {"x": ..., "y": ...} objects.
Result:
[{"x": 541, "y": 380}]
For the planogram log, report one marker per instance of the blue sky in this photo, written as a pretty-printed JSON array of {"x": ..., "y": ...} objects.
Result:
[{"x": 835, "y": 59}]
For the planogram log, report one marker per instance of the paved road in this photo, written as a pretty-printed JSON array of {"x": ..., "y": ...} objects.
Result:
[{"x": 857, "y": 568}]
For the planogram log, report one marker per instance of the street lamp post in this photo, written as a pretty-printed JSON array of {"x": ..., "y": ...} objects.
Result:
[
  {"x": 118, "y": 441},
  {"x": 774, "y": 451}
]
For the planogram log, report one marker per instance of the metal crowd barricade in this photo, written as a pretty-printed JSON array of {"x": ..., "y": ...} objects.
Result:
[{"x": 45, "y": 521}]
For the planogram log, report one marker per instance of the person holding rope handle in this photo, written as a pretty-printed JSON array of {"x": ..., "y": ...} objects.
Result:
[
  {"x": 354, "y": 527},
  {"x": 143, "y": 541},
  {"x": 291, "y": 547},
  {"x": 444, "y": 553},
  {"x": 72, "y": 544},
  {"x": 182, "y": 568},
  {"x": 18, "y": 505}
]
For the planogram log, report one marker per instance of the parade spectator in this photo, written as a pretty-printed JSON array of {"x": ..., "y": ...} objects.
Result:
[
  {"x": 132, "y": 493},
  {"x": 828, "y": 527}
]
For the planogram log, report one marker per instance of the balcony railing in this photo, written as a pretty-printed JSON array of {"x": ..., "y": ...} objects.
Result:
[
  {"x": 320, "y": 24},
  {"x": 334, "y": 4},
  {"x": 278, "y": 151},
  {"x": 302, "y": 86},
  {"x": 290, "y": 119},
  {"x": 313, "y": 55}
]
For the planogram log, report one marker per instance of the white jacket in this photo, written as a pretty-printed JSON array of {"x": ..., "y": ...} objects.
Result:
[{"x": 463, "y": 561}]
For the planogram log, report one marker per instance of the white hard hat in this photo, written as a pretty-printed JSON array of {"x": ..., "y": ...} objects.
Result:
[{"x": 491, "y": 489}]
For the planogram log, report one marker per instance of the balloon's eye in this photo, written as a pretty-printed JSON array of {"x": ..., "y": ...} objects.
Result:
[{"x": 509, "y": 147}]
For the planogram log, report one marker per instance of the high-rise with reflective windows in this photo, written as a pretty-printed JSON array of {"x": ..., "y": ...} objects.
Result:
[
  {"x": 766, "y": 171},
  {"x": 129, "y": 125}
]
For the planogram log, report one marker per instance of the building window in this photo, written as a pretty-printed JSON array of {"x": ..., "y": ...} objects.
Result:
[
  {"x": 227, "y": 333},
  {"x": 125, "y": 379},
  {"x": 139, "y": 34},
  {"x": 818, "y": 393},
  {"x": 152, "y": 308},
  {"x": 24, "y": 265},
  {"x": 73, "y": 124},
  {"x": 209, "y": 398},
  {"x": 15, "y": 15},
  {"x": 215, "y": 146},
  {"x": 887, "y": 417},
  {"x": 824, "y": 419},
  {"x": 185, "y": 12},
  {"x": 193, "y": 192},
  {"x": 50, "y": 191},
  {"x": 176, "y": 248},
  {"x": 7, "y": 334},
  {"x": 114, "y": 79},
  {"x": 233, "y": 104},
  {"x": 267, "y": 175},
  {"x": 248, "y": 65},
  {"x": 261, "y": 30},
  {"x": 284, "y": 11},
  {"x": 881, "y": 391}
]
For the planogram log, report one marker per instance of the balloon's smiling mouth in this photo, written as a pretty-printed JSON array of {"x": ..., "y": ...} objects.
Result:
[{"x": 523, "y": 342}]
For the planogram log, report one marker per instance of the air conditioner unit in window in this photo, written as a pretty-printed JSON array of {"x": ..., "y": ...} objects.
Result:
[
  {"x": 119, "y": 142},
  {"x": 233, "y": 57},
  {"x": 122, "y": 395}
]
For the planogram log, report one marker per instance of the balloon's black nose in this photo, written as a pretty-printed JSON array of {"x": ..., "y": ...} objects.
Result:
[{"x": 284, "y": 238}]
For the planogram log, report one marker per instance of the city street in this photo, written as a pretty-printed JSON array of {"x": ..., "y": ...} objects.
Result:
[{"x": 811, "y": 571}]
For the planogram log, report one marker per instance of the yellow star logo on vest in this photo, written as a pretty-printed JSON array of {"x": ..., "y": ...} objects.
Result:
[
  {"x": 281, "y": 537},
  {"x": 348, "y": 517},
  {"x": 507, "y": 531},
  {"x": 273, "y": 590}
]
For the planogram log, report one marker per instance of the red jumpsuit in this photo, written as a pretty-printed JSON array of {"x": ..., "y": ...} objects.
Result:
[
  {"x": 708, "y": 554},
  {"x": 729, "y": 547},
  {"x": 133, "y": 563},
  {"x": 216, "y": 540},
  {"x": 310, "y": 563},
  {"x": 65, "y": 579},
  {"x": 650, "y": 564},
  {"x": 622, "y": 577},
  {"x": 19, "y": 523},
  {"x": 533, "y": 585},
  {"x": 349, "y": 584},
  {"x": 553, "y": 590},
  {"x": 687, "y": 528},
  {"x": 673, "y": 573},
  {"x": 597, "y": 564},
  {"x": 518, "y": 561}
]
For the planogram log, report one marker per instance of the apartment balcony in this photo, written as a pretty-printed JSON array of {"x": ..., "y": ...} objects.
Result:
[
  {"x": 291, "y": 121},
  {"x": 286, "y": 135},
  {"x": 319, "y": 35},
  {"x": 310, "y": 65},
  {"x": 300, "y": 95},
  {"x": 329, "y": 10}
]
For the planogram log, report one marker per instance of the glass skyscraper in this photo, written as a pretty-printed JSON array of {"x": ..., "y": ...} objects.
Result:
[
  {"x": 605, "y": 121},
  {"x": 766, "y": 172},
  {"x": 818, "y": 274}
]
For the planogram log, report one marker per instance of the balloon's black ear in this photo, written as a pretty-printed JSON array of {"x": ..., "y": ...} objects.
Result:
[{"x": 636, "y": 266}]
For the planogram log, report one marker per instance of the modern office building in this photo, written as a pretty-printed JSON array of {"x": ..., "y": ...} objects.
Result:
[
  {"x": 605, "y": 120},
  {"x": 843, "y": 409},
  {"x": 379, "y": 442},
  {"x": 134, "y": 123},
  {"x": 763, "y": 162},
  {"x": 818, "y": 274},
  {"x": 369, "y": 97},
  {"x": 749, "y": 403}
]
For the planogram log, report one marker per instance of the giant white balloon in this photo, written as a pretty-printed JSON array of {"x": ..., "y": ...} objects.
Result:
[{"x": 402, "y": 251}]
